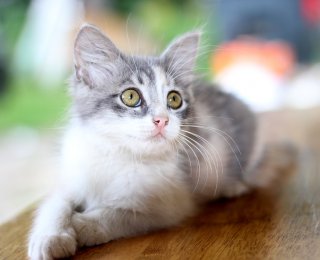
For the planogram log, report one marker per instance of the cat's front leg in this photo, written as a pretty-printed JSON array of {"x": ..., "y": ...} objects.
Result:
[
  {"x": 52, "y": 235},
  {"x": 90, "y": 228},
  {"x": 103, "y": 225}
]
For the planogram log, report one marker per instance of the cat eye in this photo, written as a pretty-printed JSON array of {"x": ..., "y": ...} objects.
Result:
[
  {"x": 131, "y": 98},
  {"x": 174, "y": 100}
]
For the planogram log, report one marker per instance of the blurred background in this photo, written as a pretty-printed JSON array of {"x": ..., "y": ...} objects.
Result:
[{"x": 266, "y": 52}]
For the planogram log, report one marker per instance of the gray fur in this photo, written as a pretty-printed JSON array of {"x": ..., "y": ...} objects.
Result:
[
  {"x": 103, "y": 72},
  {"x": 235, "y": 119}
]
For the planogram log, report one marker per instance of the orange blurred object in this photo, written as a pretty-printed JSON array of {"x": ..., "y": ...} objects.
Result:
[{"x": 275, "y": 56}]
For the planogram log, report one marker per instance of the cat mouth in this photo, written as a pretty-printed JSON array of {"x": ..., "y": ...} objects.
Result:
[
  {"x": 158, "y": 136},
  {"x": 156, "y": 133}
]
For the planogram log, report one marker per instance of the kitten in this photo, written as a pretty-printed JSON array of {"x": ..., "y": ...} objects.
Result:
[{"x": 146, "y": 145}]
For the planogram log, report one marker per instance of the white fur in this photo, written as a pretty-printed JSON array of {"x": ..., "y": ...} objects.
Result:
[
  {"x": 121, "y": 179},
  {"x": 108, "y": 179}
]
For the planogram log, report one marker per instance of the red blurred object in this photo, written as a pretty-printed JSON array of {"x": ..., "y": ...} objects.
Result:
[
  {"x": 275, "y": 56},
  {"x": 311, "y": 10}
]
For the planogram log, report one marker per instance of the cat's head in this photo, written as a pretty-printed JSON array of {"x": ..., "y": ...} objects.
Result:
[{"x": 138, "y": 102}]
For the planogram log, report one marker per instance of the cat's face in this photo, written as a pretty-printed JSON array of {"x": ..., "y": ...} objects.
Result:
[{"x": 140, "y": 103}]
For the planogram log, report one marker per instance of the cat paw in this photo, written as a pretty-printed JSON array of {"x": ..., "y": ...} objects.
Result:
[
  {"x": 89, "y": 231},
  {"x": 48, "y": 247},
  {"x": 235, "y": 190}
]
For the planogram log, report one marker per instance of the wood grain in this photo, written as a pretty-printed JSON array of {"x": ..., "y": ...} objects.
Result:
[{"x": 279, "y": 222}]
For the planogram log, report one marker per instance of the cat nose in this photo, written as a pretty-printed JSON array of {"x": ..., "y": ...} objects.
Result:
[{"x": 161, "y": 121}]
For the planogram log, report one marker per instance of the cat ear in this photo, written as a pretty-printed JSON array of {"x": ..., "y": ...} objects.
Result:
[
  {"x": 95, "y": 56},
  {"x": 181, "y": 54}
]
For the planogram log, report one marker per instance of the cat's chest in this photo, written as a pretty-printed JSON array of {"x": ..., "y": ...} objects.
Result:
[
  {"x": 105, "y": 174},
  {"x": 117, "y": 171},
  {"x": 132, "y": 183},
  {"x": 119, "y": 177}
]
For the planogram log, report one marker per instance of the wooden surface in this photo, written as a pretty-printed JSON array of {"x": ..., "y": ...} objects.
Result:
[{"x": 281, "y": 222}]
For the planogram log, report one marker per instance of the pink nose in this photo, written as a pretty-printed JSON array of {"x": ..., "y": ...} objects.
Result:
[{"x": 160, "y": 121}]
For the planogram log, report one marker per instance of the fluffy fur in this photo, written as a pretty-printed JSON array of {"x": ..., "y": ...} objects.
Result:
[{"x": 117, "y": 178}]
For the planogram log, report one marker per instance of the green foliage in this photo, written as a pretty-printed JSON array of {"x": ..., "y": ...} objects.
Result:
[
  {"x": 24, "y": 103},
  {"x": 27, "y": 104},
  {"x": 12, "y": 17},
  {"x": 165, "y": 20},
  {"x": 168, "y": 20},
  {"x": 128, "y": 6}
]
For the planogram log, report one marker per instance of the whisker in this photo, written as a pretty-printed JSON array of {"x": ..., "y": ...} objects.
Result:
[
  {"x": 224, "y": 135},
  {"x": 178, "y": 62},
  {"x": 196, "y": 157},
  {"x": 190, "y": 163},
  {"x": 173, "y": 66},
  {"x": 216, "y": 154},
  {"x": 172, "y": 59},
  {"x": 203, "y": 153},
  {"x": 218, "y": 131},
  {"x": 196, "y": 117}
]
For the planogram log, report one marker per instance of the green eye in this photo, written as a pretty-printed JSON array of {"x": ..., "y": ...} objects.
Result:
[
  {"x": 174, "y": 100},
  {"x": 131, "y": 98}
]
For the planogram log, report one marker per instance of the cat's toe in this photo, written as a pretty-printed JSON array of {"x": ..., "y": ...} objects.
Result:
[
  {"x": 235, "y": 190},
  {"x": 47, "y": 247},
  {"x": 89, "y": 232},
  {"x": 62, "y": 245}
]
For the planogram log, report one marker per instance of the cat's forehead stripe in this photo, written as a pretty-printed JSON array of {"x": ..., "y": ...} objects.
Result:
[
  {"x": 127, "y": 82},
  {"x": 142, "y": 74},
  {"x": 148, "y": 72}
]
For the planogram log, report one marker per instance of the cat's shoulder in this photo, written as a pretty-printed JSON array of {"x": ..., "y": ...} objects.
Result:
[
  {"x": 217, "y": 100},
  {"x": 209, "y": 92}
]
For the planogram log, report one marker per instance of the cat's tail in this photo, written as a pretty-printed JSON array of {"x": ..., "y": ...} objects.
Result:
[{"x": 275, "y": 161}]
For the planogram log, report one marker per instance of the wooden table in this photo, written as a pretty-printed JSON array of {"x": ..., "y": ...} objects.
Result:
[{"x": 280, "y": 222}]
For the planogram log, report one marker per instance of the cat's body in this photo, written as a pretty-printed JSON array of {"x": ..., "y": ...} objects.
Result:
[{"x": 128, "y": 168}]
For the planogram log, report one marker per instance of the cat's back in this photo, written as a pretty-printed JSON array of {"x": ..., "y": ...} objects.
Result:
[
  {"x": 228, "y": 124},
  {"x": 214, "y": 106},
  {"x": 210, "y": 98}
]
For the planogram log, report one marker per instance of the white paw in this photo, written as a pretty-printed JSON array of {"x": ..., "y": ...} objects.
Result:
[
  {"x": 235, "y": 190},
  {"x": 89, "y": 231},
  {"x": 50, "y": 246}
]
